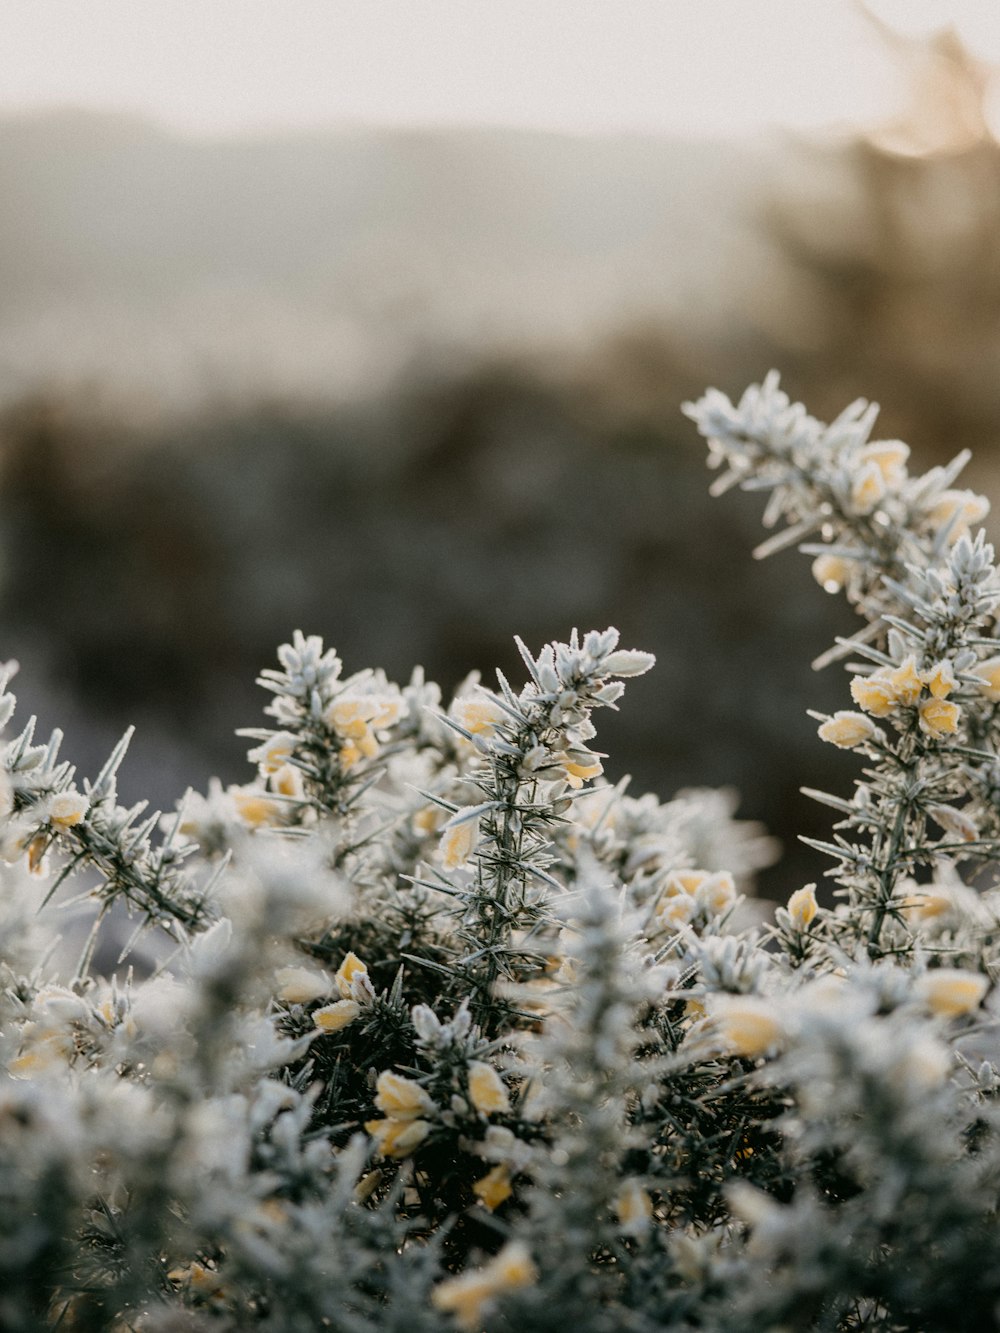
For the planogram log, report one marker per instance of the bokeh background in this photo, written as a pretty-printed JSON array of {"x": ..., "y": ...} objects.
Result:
[{"x": 375, "y": 319}]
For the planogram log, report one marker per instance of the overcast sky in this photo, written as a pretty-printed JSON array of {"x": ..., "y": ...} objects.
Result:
[{"x": 701, "y": 67}]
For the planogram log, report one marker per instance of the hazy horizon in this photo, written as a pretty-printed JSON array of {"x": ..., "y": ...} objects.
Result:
[
  {"x": 725, "y": 68},
  {"x": 321, "y": 263}
]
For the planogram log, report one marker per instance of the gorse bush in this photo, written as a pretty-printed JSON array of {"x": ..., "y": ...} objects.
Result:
[{"x": 447, "y": 1032}]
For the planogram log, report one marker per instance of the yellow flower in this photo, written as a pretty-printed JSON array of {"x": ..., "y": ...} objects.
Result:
[
  {"x": 989, "y": 670},
  {"x": 938, "y": 718},
  {"x": 397, "y": 1138},
  {"x": 906, "y": 682},
  {"x": 965, "y": 506},
  {"x": 349, "y": 715},
  {"x": 684, "y": 881},
  {"x": 676, "y": 910},
  {"x": 346, "y": 973},
  {"x": 301, "y": 985},
  {"x": 889, "y": 456},
  {"x": 468, "y": 1296},
  {"x": 487, "y": 1090},
  {"x": 927, "y": 906},
  {"x": 68, "y": 808},
  {"x": 204, "y": 1280},
  {"x": 388, "y": 710},
  {"x": 275, "y": 752},
  {"x": 513, "y": 1267},
  {"x": 36, "y": 850},
  {"x": 875, "y": 694},
  {"x": 349, "y": 756},
  {"x": 633, "y": 1207},
  {"x": 465, "y": 1297},
  {"x": 802, "y": 906},
  {"x": 253, "y": 807},
  {"x": 939, "y": 679},
  {"x": 868, "y": 488},
  {"x": 427, "y": 819},
  {"x": 580, "y": 770},
  {"x": 287, "y": 781},
  {"x": 478, "y": 714},
  {"x": 494, "y": 1188},
  {"x": 747, "y": 1024},
  {"x": 334, "y": 1017},
  {"x": 401, "y": 1098},
  {"x": 47, "y": 1051},
  {"x": 716, "y": 893},
  {"x": 951, "y": 991},
  {"x": 458, "y": 841},
  {"x": 831, "y": 572},
  {"x": 847, "y": 730}
]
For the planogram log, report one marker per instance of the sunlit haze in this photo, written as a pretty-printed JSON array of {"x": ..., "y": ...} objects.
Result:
[{"x": 710, "y": 68}]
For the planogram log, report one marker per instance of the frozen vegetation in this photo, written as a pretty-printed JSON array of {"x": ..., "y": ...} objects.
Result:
[{"x": 450, "y": 1032}]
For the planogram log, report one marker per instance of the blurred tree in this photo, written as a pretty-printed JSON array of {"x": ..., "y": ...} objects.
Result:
[{"x": 893, "y": 243}]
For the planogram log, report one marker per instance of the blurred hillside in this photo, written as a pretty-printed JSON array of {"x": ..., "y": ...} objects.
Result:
[{"x": 188, "y": 270}]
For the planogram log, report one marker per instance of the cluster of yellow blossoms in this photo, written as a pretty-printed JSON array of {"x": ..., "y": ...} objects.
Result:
[
  {"x": 880, "y": 468},
  {"x": 359, "y": 718},
  {"x": 687, "y": 894},
  {"x": 304, "y": 985},
  {"x": 469, "y": 1296},
  {"x": 406, "y": 1107},
  {"x": 902, "y": 686},
  {"x": 752, "y": 1026}
]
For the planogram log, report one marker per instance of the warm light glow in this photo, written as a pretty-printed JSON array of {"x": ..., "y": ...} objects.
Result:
[
  {"x": 991, "y": 107},
  {"x": 713, "y": 67},
  {"x": 977, "y": 22}
]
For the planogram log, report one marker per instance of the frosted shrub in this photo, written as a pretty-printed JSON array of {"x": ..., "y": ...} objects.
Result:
[{"x": 449, "y": 1032}]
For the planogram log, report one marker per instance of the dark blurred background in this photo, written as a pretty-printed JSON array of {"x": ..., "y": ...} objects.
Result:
[{"x": 418, "y": 390}]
